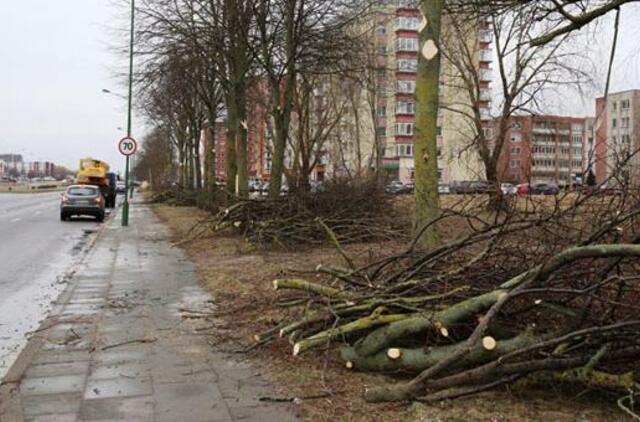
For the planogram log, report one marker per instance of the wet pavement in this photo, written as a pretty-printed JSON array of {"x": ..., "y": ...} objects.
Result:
[
  {"x": 37, "y": 254},
  {"x": 125, "y": 343}
]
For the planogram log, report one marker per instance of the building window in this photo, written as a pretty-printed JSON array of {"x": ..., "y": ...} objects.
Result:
[
  {"x": 625, "y": 104},
  {"x": 382, "y": 50},
  {"x": 407, "y": 44},
  {"x": 516, "y": 137},
  {"x": 381, "y": 131},
  {"x": 614, "y": 122},
  {"x": 407, "y": 65},
  {"x": 624, "y": 123},
  {"x": 382, "y": 111},
  {"x": 406, "y": 107},
  {"x": 406, "y": 87},
  {"x": 487, "y": 132},
  {"x": 614, "y": 106},
  {"x": 407, "y": 23},
  {"x": 381, "y": 29},
  {"x": 405, "y": 150},
  {"x": 515, "y": 164},
  {"x": 515, "y": 151},
  {"x": 404, "y": 129}
]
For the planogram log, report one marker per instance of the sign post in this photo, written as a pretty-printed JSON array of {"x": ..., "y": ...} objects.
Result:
[{"x": 127, "y": 147}]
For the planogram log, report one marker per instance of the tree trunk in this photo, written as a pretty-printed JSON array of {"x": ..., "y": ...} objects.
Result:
[
  {"x": 426, "y": 149},
  {"x": 277, "y": 163},
  {"x": 232, "y": 129}
]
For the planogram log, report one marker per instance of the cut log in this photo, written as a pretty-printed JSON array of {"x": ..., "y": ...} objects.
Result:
[
  {"x": 394, "y": 353},
  {"x": 306, "y": 286},
  {"x": 489, "y": 343},
  {"x": 384, "y": 337},
  {"x": 417, "y": 360},
  {"x": 362, "y": 324}
]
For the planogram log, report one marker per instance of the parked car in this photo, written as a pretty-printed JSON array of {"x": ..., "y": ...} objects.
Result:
[
  {"x": 264, "y": 188},
  {"x": 254, "y": 185},
  {"x": 82, "y": 200},
  {"x": 545, "y": 189},
  {"x": 460, "y": 187},
  {"x": 523, "y": 189},
  {"x": 508, "y": 189},
  {"x": 480, "y": 186},
  {"x": 397, "y": 187},
  {"x": 444, "y": 189}
]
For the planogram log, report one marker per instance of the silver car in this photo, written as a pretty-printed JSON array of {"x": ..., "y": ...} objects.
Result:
[{"x": 82, "y": 200}]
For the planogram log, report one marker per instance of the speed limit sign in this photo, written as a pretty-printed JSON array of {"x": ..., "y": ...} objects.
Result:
[{"x": 127, "y": 146}]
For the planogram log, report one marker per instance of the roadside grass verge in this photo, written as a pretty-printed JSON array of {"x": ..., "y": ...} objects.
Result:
[{"x": 239, "y": 277}]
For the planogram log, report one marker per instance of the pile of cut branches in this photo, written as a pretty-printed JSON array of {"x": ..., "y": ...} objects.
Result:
[
  {"x": 548, "y": 292},
  {"x": 174, "y": 197},
  {"x": 354, "y": 213}
]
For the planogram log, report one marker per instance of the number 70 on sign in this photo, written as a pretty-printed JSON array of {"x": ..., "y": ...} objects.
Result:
[{"x": 127, "y": 146}]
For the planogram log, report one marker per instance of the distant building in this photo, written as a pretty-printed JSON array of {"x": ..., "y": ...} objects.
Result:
[
  {"x": 546, "y": 149},
  {"x": 40, "y": 169},
  {"x": 617, "y": 128},
  {"x": 11, "y": 158},
  {"x": 397, "y": 45},
  {"x": 14, "y": 165}
]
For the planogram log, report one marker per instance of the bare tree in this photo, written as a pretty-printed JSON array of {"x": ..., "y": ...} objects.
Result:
[{"x": 526, "y": 73}]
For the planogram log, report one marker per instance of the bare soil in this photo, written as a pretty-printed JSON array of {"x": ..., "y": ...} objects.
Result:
[{"x": 239, "y": 277}]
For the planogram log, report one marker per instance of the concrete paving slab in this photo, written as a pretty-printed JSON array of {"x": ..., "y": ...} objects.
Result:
[
  {"x": 54, "y": 418},
  {"x": 58, "y": 356},
  {"x": 123, "y": 370},
  {"x": 190, "y": 403},
  {"x": 52, "y": 404},
  {"x": 117, "y": 387},
  {"x": 57, "y": 369},
  {"x": 124, "y": 409},
  {"x": 52, "y": 385}
]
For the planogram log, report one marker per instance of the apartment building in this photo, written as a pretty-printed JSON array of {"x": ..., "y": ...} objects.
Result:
[
  {"x": 397, "y": 44},
  {"x": 617, "y": 126},
  {"x": 377, "y": 129},
  {"x": 547, "y": 149}
]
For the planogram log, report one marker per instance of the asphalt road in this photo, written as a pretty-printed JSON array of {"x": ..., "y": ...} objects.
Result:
[{"x": 36, "y": 250}]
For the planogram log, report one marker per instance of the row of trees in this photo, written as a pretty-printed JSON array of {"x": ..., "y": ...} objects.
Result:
[
  {"x": 311, "y": 65},
  {"x": 210, "y": 61}
]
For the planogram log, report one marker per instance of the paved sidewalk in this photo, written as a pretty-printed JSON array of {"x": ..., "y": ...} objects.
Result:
[{"x": 117, "y": 346}]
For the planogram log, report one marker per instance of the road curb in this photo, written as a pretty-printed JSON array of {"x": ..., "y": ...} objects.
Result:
[{"x": 10, "y": 403}]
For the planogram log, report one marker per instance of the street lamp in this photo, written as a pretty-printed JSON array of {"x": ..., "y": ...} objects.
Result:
[
  {"x": 125, "y": 206},
  {"x": 106, "y": 91}
]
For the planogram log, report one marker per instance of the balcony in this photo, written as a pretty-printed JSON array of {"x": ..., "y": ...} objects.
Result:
[
  {"x": 485, "y": 75},
  {"x": 544, "y": 130},
  {"x": 485, "y": 56},
  {"x": 406, "y": 4},
  {"x": 485, "y": 36},
  {"x": 485, "y": 95}
]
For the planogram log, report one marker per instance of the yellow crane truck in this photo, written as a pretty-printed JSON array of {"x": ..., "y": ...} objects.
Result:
[{"x": 96, "y": 172}]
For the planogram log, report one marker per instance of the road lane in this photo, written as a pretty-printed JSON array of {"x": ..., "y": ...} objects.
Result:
[{"x": 36, "y": 249}]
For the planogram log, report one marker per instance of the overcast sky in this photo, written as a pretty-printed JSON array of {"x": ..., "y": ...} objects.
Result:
[{"x": 57, "y": 56}]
